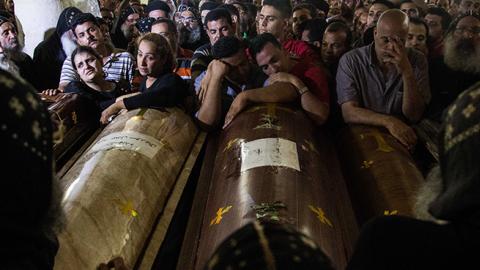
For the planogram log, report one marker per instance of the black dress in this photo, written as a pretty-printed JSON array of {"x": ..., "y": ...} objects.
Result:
[
  {"x": 168, "y": 90},
  {"x": 101, "y": 100}
]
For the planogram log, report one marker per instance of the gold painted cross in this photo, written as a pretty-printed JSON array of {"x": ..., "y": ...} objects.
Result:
[
  {"x": 221, "y": 211},
  {"x": 127, "y": 209},
  {"x": 321, "y": 215},
  {"x": 390, "y": 213},
  {"x": 381, "y": 143}
]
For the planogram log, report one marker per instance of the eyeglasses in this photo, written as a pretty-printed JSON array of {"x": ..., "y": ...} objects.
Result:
[
  {"x": 187, "y": 19},
  {"x": 472, "y": 30}
]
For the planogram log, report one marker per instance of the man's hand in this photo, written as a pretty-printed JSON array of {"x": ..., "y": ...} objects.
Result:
[
  {"x": 238, "y": 104},
  {"x": 286, "y": 77},
  {"x": 126, "y": 96},
  {"x": 111, "y": 110},
  {"x": 399, "y": 56},
  {"x": 402, "y": 132},
  {"x": 51, "y": 92},
  {"x": 216, "y": 70},
  {"x": 116, "y": 264}
]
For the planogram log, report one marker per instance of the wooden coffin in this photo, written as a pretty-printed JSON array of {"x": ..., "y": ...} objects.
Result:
[
  {"x": 119, "y": 187},
  {"x": 269, "y": 166},
  {"x": 74, "y": 120},
  {"x": 381, "y": 174}
]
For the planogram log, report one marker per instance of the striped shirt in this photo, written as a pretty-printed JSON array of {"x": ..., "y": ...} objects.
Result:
[{"x": 119, "y": 65}]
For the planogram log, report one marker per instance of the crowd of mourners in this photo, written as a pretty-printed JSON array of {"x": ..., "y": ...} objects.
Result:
[{"x": 388, "y": 63}]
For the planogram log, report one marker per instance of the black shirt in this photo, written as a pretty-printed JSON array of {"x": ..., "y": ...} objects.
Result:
[{"x": 168, "y": 90}]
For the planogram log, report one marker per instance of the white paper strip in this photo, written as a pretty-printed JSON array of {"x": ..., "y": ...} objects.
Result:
[
  {"x": 128, "y": 140},
  {"x": 269, "y": 152}
]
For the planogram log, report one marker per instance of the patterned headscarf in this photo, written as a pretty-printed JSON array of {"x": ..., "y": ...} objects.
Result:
[
  {"x": 144, "y": 25},
  {"x": 65, "y": 20},
  {"x": 27, "y": 174},
  {"x": 459, "y": 159},
  {"x": 268, "y": 245}
]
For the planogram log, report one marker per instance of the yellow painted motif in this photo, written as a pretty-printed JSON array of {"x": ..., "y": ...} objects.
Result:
[
  {"x": 382, "y": 144},
  {"x": 268, "y": 122},
  {"x": 451, "y": 110},
  {"x": 321, "y": 215},
  {"x": 221, "y": 211},
  {"x": 230, "y": 144},
  {"x": 127, "y": 209},
  {"x": 390, "y": 213},
  {"x": 367, "y": 164},
  {"x": 74, "y": 117},
  {"x": 254, "y": 109}
]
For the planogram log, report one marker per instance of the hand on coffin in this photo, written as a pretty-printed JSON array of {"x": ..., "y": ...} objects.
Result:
[
  {"x": 217, "y": 70},
  {"x": 111, "y": 110},
  {"x": 402, "y": 132},
  {"x": 288, "y": 78},
  {"x": 116, "y": 264},
  {"x": 238, "y": 104},
  {"x": 51, "y": 92}
]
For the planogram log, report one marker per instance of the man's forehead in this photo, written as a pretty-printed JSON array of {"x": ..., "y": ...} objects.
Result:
[
  {"x": 264, "y": 56},
  {"x": 377, "y": 7},
  {"x": 337, "y": 36},
  {"x": 84, "y": 26},
  {"x": 236, "y": 59},
  {"x": 6, "y": 26},
  {"x": 217, "y": 23},
  {"x": 302, "y": 11},
  {"x": 269, "y": 11}
]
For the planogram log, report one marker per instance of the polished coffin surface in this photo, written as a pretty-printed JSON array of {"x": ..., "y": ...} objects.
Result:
[
  {"x": 74, "y": 119},
  {"x": 116, "y": 190},
  {"x": 270, "y": 166},
  {"x": 381, "y": 174}
]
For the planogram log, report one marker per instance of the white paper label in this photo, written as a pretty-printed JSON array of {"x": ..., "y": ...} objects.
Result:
[
  {"x": 129, "y": 140},
  {"x": 269, "y": 152}
]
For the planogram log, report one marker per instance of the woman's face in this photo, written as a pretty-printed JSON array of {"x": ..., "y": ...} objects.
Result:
[
  {"x": 89, "y": 68},
  {"x": 149, "y": 62}
]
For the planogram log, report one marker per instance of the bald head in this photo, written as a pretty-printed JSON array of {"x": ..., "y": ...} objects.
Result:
[
  {"x": 392, "y": 27},
  {"x": 394, "y": 18}
]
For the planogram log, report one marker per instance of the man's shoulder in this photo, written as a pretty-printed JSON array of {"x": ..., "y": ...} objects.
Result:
[
  {"x": 359, "y": 57},
  {"x": 121, "y": 54},
  {"x": 204, "y": 50}
]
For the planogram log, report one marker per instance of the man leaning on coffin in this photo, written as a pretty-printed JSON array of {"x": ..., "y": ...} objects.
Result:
[{"x": 385, "y": 84}]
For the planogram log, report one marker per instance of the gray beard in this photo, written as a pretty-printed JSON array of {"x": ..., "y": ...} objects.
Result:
[
  {"x": 68, "y": 45},
  {"x": 426, "y": 194},
  {"x": 127, "y": 32},
  {"x": 194, "y": 35},
  {"x": 460, "y": 59}
]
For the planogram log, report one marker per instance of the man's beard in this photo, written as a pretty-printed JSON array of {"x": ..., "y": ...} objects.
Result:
[
  {"x": 427, "y": 193},
  {"x": 127, "y": 31},
  {"x": 462, "y": 55},
  {"x": 68, "y": 45},
  {"x": 194, "y": 35}
]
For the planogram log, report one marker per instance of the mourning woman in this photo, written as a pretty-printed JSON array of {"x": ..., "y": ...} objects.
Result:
[
  {"x": 88, "y": 64},
  {"x": 161, "y": 87}
]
